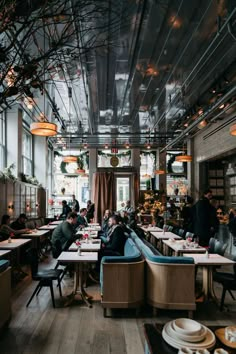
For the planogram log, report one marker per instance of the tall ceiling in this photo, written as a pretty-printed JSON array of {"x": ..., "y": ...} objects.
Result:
[{"x": 133, "y": 71}]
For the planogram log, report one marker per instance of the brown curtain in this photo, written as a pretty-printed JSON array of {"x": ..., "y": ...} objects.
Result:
[{"x": 103, "y": 193}]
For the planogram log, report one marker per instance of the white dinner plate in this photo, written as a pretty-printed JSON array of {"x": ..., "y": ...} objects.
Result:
[
  {"x": 208, "y": 342},
  {"x": 188, "y": 338}
]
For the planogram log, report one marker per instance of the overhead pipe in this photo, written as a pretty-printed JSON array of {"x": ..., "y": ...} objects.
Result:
[
  {"x": 200, "y": 59},
  {"x": 134, "y": 56},
  {"x": 199, "y": 119}
]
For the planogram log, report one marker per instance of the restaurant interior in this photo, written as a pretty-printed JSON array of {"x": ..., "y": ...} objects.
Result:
[{"x": 130, "y": 105}]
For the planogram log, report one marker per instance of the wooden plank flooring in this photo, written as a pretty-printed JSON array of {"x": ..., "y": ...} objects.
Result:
[{"x": 78, "y": 329}]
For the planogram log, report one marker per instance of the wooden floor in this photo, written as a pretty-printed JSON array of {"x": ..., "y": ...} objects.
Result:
[{"x": 78, "y": 329}]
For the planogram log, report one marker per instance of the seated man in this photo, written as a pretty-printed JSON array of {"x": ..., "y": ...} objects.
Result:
[
  {"x": 19, "y": 224},
  {"x": 63, "y": 235},
  {"x": 117, "y": 238},
  {"x": 81, "y": 219},
  {"x": 65, "y": 210}
]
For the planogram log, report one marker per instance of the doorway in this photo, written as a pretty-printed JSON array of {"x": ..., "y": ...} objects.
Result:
[{"x": 123, "y": 187}]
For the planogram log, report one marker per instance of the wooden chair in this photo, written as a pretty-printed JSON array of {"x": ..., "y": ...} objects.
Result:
[
  {"x": 44, "y": 277},
  {"x": 228, "y": 281}
]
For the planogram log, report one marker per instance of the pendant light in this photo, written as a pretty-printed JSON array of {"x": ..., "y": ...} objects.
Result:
[
  {"x": 183, "y": 158},
  {"x": 69, "y": 158},
  {"x": 233, "y": 130},
  {"x": 43, "y": 127},
  {"x": 160, "y": 172}
]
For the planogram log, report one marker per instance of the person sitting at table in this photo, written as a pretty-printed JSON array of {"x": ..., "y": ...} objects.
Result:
[
  {"x": 128, "y": 208},
  {"x": 19, "y": 223},
  {"x": 117, "y": 238},
  {"x": 113, "y": 247},
  {"x": 64, "y": 234},
  {"x": 65, "y": 210},
  {"x": 90, "y": 210},
  {"x": 105, "y": 226},
  {"x": 82, "y": 219},
  {"x": 6, "y": 231}
]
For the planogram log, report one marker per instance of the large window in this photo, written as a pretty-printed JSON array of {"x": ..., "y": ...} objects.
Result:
[
  {"x": 2, "y": 141},
  {"x": 27, "y": 153}
]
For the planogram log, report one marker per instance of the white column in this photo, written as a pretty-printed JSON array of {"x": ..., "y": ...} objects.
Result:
[
  {"x": 40, "y": 159},
  {"x": 92, "y": 169},
  {"x": 14, "y": 139}
]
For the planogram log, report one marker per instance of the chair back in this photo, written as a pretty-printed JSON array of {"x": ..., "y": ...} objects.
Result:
[
  {"x": 181, "y": 232},
  {"x": 215, "y": 246},
  {"x": 33, "y": 260}
]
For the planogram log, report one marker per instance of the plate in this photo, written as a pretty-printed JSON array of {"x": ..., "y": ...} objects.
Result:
[
  {"x": 188, "y": 338},
  {"x": 208, "y": 342},
  {"x": 186, "y": 326},
  {"x": 220, "y": 334}
]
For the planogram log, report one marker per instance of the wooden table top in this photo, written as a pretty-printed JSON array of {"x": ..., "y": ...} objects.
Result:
[
  {"x": 212, "y": 259},
  {"x": 15, "y": 243},
  {"x": 73, "y": 257}
]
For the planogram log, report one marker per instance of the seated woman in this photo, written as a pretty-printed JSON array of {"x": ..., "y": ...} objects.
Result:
[{"x": 6, "y": 231}]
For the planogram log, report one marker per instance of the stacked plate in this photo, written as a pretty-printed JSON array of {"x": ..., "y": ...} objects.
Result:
[{"x": 186, "y": 333}]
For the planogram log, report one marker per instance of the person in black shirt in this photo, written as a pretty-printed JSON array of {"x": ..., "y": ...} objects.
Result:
[
  {"x": 90, "y": 210},
  {"x": 65, "y": 210},
  {"x": 19, "y": 224}
]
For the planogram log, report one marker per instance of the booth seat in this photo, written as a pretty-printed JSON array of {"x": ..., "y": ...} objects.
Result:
[
  {"x": 5, "y": 293},
  {"x": 122, "y": 279},
  {"x": 170, "y": 281}
]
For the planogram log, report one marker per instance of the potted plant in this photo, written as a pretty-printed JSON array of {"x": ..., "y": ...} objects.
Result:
[{"x": 80, "y": 164}]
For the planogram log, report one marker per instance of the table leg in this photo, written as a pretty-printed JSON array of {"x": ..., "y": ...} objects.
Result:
[
  {"x": 208, "y": 289},
  {"x": 85, "y": 297}
]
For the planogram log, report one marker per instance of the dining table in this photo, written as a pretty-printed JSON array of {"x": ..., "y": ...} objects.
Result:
[
  {"x": 90, "y": 245},
  {"x": 55, "y": 222},
  {"x": 155, "y": 343},
  {"x": 158, "y": 237},
  {"x": 80, "y": 261},
  {"x": 36, "y": 235},
  {"x": 49, "y": 227},
  {"x": 4, "y": 254},
  {"x": 14, "y": 246},
  {"x": 178, "y": 247},
  {"x": 208, "y": 263}
]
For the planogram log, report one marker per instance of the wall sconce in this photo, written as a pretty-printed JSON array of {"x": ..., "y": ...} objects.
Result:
[
  {"x": 11, "y": 206},
  {"x": 27, "y": 206},
  {"x": 37, "y": 205}
]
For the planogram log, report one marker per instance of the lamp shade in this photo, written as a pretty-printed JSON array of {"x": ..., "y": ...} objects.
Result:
[
  {"x": 233, "y": 129},
  {"x": 183, "y": 158},
  {"x": 160, "y": 172},
  {"x": 69, "y": 158},
  {"x": 43, "y": 128}
]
